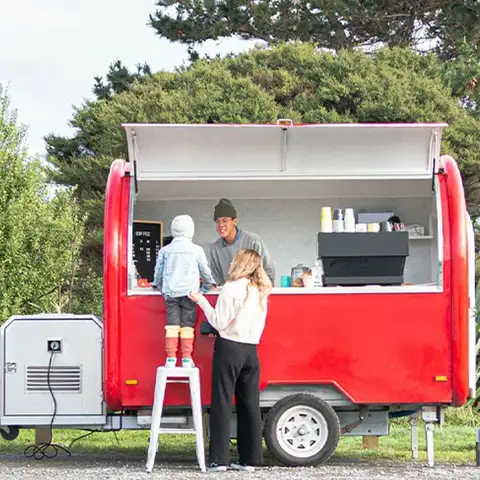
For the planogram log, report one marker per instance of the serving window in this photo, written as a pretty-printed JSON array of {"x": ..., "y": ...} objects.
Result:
[
  {"x": 290, "y": 226},
  {"x": 279, "y": 178}
]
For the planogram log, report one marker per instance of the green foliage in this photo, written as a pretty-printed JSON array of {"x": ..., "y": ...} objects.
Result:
[
  {"x": 453, "y": 444},
  {"x": 287, "y": 81},
  {"x": 330, "y": 24},
  {"x": 477, "y": 311},
  {"x": 118, "y": 79},
  {"x": 40, "y": 230}
]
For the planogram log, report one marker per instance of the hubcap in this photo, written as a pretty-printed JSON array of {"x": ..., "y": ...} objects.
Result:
[{"x": 302, "y": 431}]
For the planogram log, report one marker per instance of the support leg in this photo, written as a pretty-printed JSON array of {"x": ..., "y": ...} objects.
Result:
[
  {"x": 429, "y": 426},
  {"x": 370, "y": 441},
  {"x": 478, "y": 447},
  {"x": 196, "y": 401},
  {"x": 43, "y": 435},
  {"x": 160, "y": 385},
  {"x": 414, "y": 425}
]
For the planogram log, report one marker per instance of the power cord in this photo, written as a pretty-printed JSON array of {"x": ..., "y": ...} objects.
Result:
[
  {"x": 42, "y": 450},
  {"x": 51, "y": 450}
]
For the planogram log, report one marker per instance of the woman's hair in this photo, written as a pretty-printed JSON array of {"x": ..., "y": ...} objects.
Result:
[{"x": 248, "y": 264}]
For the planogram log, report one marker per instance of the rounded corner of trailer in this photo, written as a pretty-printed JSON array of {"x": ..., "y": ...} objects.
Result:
[
  {"x": 120, "y": 164},
  {"x": 116, "y": 217},
  {"x": 460, "y": 296}
]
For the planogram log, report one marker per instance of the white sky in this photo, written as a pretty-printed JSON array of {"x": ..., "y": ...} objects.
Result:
[{"x": 50, "y": 50}]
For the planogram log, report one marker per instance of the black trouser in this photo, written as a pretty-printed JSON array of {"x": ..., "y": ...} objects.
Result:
[{"x": 235, "y": 370}]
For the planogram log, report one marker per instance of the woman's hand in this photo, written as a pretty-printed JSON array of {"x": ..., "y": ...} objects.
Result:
[{"x": 195, "y": 296}]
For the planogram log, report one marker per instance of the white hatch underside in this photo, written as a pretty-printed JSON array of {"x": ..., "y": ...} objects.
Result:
[{"x": 268, "y": 161}]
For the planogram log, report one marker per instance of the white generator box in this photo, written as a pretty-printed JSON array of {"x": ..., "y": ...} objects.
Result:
[{"x": 51, "y": 370}]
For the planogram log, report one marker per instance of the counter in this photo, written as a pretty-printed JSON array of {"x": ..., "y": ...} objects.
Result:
[{"x": 426, "y": 288}]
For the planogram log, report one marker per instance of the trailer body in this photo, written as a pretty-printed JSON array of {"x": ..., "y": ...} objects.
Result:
[{"x": 368, "y": 353}]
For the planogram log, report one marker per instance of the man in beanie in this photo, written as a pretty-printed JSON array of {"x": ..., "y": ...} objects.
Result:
[
  {"x": 178, "y": 270},
  {"x": 233, "y": 239}
]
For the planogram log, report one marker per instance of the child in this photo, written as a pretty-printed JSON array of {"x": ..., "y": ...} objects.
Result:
[{"x": 177, "y": 272}]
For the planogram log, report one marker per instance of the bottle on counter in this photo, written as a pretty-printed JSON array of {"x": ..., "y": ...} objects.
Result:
[
  {"x": 133, "y": 274},
  {"x": 349, "y": 220},
  {"x": 317, "y": 274},
  {"x": 338, "y": 220}
]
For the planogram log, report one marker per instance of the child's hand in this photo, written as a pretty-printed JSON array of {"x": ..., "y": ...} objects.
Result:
[{"x": 195, "y": 296}]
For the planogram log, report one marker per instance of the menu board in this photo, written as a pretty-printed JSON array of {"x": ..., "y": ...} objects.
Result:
[{"x": 147, "y": 241}]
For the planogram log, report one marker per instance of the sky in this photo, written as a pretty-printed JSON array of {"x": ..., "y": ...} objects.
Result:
[{"x": 50, "y": 50}]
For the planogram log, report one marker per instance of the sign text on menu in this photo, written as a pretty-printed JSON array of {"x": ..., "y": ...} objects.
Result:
[{"x": 147, "y": 241}]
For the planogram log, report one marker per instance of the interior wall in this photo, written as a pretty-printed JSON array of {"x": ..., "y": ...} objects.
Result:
[{"x": 289, "y": 227}]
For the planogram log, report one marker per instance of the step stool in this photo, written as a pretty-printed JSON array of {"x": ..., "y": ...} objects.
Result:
[{"x": 193, "y": 379}]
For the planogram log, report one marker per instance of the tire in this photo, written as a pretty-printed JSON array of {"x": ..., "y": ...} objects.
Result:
[
  {"x": 10, "y": 434},
  {"x": 302, "y": 413}
]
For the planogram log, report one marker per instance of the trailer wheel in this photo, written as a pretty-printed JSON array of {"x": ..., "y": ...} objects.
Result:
[
  {"x": 10, "y": 433},
  {"x": 302, "y": 430}
]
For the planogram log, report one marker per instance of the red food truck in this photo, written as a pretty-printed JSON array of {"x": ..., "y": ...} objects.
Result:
[{"x": 389, "y": 332}]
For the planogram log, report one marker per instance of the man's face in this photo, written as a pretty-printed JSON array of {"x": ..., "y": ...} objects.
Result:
[{"x": 226, "y": 226}]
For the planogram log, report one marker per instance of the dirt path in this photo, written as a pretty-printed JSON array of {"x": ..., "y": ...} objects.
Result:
[{"x": 98, "y": 468}]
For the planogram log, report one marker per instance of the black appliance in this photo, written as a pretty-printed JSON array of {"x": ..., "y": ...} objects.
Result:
[{"x": 358, "y": 259}]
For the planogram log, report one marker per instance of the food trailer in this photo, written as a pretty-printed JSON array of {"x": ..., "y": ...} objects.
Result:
[{"x": 389, "y": 332}]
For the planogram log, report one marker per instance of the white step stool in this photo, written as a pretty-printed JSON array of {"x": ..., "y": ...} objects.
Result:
[{"x": 163, "y": 375}]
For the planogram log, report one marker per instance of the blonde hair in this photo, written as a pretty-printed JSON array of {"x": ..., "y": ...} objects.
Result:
[{"x": 248, "y": 264}]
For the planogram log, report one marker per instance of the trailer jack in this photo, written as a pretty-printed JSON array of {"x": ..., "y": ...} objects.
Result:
[
  {"x": 430, "y": 416},
  {"x": 351, "y": 426}
]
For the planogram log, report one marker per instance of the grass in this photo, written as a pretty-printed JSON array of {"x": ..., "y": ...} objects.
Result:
[{"x": 454, "y": 443}]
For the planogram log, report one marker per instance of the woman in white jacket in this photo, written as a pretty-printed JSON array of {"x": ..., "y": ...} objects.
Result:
[{"x": 239, "y": 317}]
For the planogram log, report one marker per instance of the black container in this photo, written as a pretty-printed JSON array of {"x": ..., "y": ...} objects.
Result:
[{"x": 356, "y": 259}]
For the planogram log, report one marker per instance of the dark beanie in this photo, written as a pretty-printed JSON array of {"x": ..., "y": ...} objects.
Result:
[{"x": 224, "y": 208}]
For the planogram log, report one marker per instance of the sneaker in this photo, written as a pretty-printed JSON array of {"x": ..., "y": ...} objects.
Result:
[
  {"x": 171, "y": 362},
  {"x": 187, "y": 363},
  {"x": 213, "y": 467},
  {"x": 243, "y": 467}
]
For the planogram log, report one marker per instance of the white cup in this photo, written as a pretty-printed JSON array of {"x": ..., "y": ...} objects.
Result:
[{"x": 308, "y": 281}]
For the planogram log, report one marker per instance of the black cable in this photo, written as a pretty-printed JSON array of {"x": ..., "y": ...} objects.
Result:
[
  {"x": 41, "y": 450},
  {"x": 90, "y": 432}
]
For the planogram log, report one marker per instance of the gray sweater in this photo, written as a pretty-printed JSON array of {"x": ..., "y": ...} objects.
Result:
[{"x": 222, "y": 253}]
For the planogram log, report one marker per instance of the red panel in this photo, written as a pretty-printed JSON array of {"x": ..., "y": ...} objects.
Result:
[
  {"x": 376, "y": 348},
  {"x": 384, "y": 348},
  {"x": 459, "y": 273},
  {"x": 115, "y": 233}
]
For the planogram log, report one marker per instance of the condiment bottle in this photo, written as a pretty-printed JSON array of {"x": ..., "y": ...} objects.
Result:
[
  {"x": 317, "y": 274},
  {"x": 338, "y": 220},
  {"x": 349, "y": 220}
]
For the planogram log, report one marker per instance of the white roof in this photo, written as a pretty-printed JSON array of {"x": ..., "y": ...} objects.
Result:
[{"x": 180, "y": 152}]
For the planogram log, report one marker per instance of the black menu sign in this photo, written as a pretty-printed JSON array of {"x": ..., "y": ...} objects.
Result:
[{"x": 147, "y": 241}]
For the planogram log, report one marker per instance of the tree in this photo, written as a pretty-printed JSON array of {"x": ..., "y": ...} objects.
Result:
[
  {"x": 40, "y": 229},
  {"x": 330, "y": 24},
  {"x": 118, "y": 79},
  {"x": 287, "y": 81},
  {"x": 77, "y": 161},
  {"x": 463, "y": 76}
]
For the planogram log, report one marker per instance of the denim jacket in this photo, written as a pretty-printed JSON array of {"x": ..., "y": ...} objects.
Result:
[
  {"x": 179, "y": 268},
  {"x": 180, "y": 264}
]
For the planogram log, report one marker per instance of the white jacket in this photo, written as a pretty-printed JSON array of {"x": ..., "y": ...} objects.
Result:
[{"x": 237, "y": 317}]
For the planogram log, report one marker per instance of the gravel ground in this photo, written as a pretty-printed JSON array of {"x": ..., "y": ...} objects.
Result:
[{"x": 91, "y": 467}]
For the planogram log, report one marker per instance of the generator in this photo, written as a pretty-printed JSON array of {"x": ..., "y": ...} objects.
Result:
[{"x": 51, "y": 370}]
